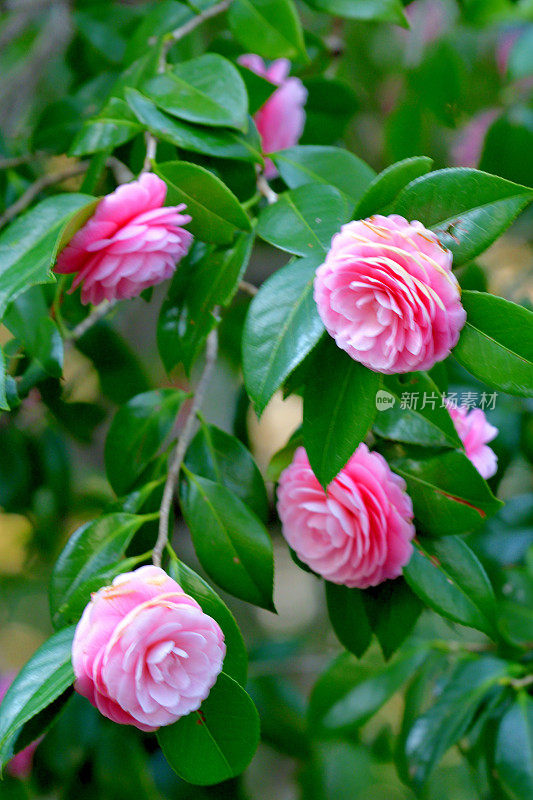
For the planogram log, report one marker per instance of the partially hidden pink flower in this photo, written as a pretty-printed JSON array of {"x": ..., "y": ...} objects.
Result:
[
  {"x": 20, "y": 765},
  {"x": 130, "y": 243},
  {"x": 468, "y": 146},
  {"x": 280, "y": 121},
  {"x": 358, "y": 533},
  {"x": 387, "y": 295},
  {"x": 475, "y": 431},
  {"x": 144, "y": 652}
]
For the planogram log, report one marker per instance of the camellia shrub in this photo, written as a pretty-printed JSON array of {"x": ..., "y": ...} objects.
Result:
[{"x": 297, "y": 193}]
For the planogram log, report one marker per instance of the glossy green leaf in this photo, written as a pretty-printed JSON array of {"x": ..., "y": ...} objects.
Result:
[
  {"x": 411, "y": 410},
  {"x": 231, "y": 543},
  {"x": 467, "y": 209},
  {"x": 41, "y": 681},
  {"x": 270, "y": 28},
  {"x": 448, "y": 493},
  {"x": 449, "y": 718},
  {"x": 27, "y": 319},
  {"x": 334, "y": 166},
  {"x": 28, "y": 247},
  {"x": 218, "y": 142},
  {"x": 338, "y": 409},
  {"x": 303, "y": 220},
  {"x": 222, "y": 458},
  {"x": 367, "y": 10},
  {"x": 4, "y": 405},
  {"x": 386, "y": 186},
  {"x": 447, "y": 575},
  {"x": 348, "y": 617},
  {"x": 259, "y": 89},
  {"x": 201, "y": 283},
  {"x": 236, "y": 659},
  {"x": 514, "y": 749},
  {"x": 83, "y": 565},
  {"x": 329, "y": 107},
  {"x": 496, "y": 343},
  {"x": 115, "y": 125},
  {"x": 348, "y": 693},
  {"x": 218, "y": 741},
  {"x": 216, "y": 213},
  {"x": 207, "y": 90},
  {"x": 282, "y": 326},
  {"x": 137, "y": 433},
  {"x": 392, "y": 609}
]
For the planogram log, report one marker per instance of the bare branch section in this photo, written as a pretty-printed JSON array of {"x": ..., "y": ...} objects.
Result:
[
  {"x": 95, "y": 316},
  {"x": 181, "y": 448},
  {"x": 264, "y": 188}
]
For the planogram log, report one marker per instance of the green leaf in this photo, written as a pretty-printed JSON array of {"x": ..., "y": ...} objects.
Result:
[
  {"x": 392, "y": 609},
  {"x": 221, "y": 142},
  {"x": 83, "y": 565},
  {"x": 334, "y": 166},
  {"x": 27, "y": 319},
  {"x": 348, "y": 693},
  {"x": 386, "y": 186},
  {"x": 303, "y": 220},
  {"x": 367, "y": 10},
  {"x": 270, "y": 28},
  {"x": 496, "y": 343},
  {"x": 43, "y": 679},
  {"x": 330, "y": 106},
  {"x": 222, "y": 458},
  {"x": 514, "y": 749},
  {"x": 450, "y": 717},
  {"x": 137, "y": 433},
  {"x": 259, "y": 89},
  {"x": 207, "y": 90},
  {"x": 236, "y": 659},
  {"x": 115, "y": 125},
  {"x": 448, "y": 493},
  {"x": 4, "y": 405},
  {"x": 231, "y": 543},
  {"x": 29, "y": 246},
  {"x": 520, "y": 57},
  {"x": 218, "y": 741},
  {"x": 338, "y": 409},
  {"x": 282, "y": 326},
  {"x": 411, "y": 410},
  {"x": 467, "y": 209},
  {"x": 447, "y": 575},
  {"x": 198, "y": 286},
  {"x": 347, "y": 614},
  {"x": 216, "y": 213}
]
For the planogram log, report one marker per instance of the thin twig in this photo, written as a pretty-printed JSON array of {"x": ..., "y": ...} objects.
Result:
[
  {"x": 98, "y": 313},
  {"x": 36, "y": 188},
  {"x": 193, "y": 23},
  {"x": 264, "y": 187},
  {"x": 17, "y": 161},
  {"x": 151, "y": 148},
  {"x": 121, "y": 172},
  {"x": 182, "y": 445},
  {"x": 248, "y": 288}
]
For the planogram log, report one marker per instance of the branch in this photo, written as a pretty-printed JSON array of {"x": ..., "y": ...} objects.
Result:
[
  {"x": 17, "y": 161},
  {"x": 182, "y": 445},
  {"x": 95, "y": 316},
  {"x": 248, "y": 288},
  {"x": 264, "y": 188},
  {"x": 36, "y": 188},
  {"x": 193, "y": 23}
]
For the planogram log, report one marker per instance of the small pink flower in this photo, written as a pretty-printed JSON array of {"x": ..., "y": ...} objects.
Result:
[
  {"x": 20, "y": 765},
  {"x": 144, "y": 652},
  {"x": 475, "y": 431},
  {"x": 358, "y": 533},
  {"x": 280, "y": 121},
  {"x": 387, "y": 295},
  {"x": 468, "y": 146},
  {"x": 130, "y": 243}
]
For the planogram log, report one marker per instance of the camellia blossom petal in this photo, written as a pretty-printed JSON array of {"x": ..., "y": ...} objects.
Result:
[
  {"x": 280, "y": 121},
  {"x": 387, "y": 295},
  {"x": 359, "y": 533},
  {"x": 20, "y": 765},
  {"x": 144, "y": 652},
  {"x": 130, "y": 243},
  {"x": 475, "y": 431}
]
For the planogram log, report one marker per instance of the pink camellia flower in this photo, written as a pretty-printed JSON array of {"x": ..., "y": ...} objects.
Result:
[
  {"x": 387, "y": 295},
  {"x": 144, "y": 652},
  {"x": 358, "y": 533},
  {"x": 280, "y": 121},
  {"x": 475, "y": 431},
  {"x": 468, "y": 146},
  {"x": 20, "y": 765},
  {"x": 130, "y": 243}
]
